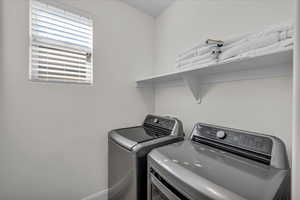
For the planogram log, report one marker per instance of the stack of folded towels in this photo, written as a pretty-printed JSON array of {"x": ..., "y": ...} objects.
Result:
[{"x": 272, "y": 39}]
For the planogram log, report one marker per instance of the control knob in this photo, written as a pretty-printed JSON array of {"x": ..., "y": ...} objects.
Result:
[{"x": 221, "y": 134}]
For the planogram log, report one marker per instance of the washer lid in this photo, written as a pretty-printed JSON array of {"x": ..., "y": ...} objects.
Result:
[
  {"x": 153, "y": 127},
  {"x": 198, "y": 169},
  {"x": 129, "y": 137},
  {"x": 139, "y": 134}
]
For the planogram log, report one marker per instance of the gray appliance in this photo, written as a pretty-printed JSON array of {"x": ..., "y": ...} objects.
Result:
[
  {"x": 127, "y": 155},
  {"x": 218, "y": 163}
]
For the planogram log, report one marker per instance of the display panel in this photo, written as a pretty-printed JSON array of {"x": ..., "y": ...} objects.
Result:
[{"x": 252, "y": 142}]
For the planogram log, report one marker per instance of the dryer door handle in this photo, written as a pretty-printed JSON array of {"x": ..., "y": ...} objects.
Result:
[{"x": 163, "y": 189}]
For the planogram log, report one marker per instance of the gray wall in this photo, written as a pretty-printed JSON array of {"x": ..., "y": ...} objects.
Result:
[
  {"x": 257, "y": 105},
  {"x": 53, "y": 137}
]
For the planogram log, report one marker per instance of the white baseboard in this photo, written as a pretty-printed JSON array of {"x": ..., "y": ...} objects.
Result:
[
  {"x": 101, "y": 195},
  {"x": 119, "y": 188}
]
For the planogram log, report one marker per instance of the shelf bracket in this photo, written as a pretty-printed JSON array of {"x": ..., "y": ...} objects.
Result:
[{"x": 193, "y": 82}]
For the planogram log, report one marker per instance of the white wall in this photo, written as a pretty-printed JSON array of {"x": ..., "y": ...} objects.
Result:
[
  {"x": 258, "y": 105},
  {"x": 296, "y": 110},
  {"x": 53, "y": 137}
]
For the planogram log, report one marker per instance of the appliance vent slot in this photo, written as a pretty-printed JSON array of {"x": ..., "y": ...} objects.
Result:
[{"x": 259, "y": 157}]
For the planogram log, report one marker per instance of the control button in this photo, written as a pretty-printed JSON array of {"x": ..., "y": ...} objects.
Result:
[
  {"x": 221, "y": 134},
  {"x": 197, "y": 164}
]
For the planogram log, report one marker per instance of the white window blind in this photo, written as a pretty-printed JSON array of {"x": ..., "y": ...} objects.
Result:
[{"x": 61, "y": 45}]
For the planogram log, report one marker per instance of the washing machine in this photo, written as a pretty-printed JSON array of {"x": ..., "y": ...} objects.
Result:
[
  {"x": 219, "y": 163},
  {"x": 127, "y": 155}
]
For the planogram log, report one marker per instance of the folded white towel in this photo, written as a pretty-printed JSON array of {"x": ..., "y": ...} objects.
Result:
[
  {"x": 282, "y": 45},
  {"x": 202, "y": 63},
  {"x": 275, "y": 28},
  {"x": 271, "y": 30},
  {"x": 249, "y": 45},
  {"x": 203, "y": 47},
  {"x": 197, "y": 62},
  {"x": 271, "y": 39},
  {"x": 258, "y": 52},
  {"x": 286, "y": 34},
  {"x": 196, "y": 59},
  {"x": 191, "y": 51},
  {"x": 286, "y": 30},
  {"x": 194, "y": 52}
]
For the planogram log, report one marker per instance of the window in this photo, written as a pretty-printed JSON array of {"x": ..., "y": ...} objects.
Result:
[{"x": 61, "y": 45}]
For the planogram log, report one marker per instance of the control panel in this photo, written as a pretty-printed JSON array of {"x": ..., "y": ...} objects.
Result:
[
  {"x": 161, "y": 122},
  {"x": 234, "y": 138}
]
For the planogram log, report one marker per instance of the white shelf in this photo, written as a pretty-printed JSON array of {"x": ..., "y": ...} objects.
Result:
[{"x": 264, "y": 66}]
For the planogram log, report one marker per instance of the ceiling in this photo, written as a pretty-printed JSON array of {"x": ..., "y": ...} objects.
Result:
[{"x": 150, "y": 7}]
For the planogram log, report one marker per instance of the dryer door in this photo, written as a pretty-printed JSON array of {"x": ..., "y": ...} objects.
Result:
[
  {"x": 160, "y": 189},
  {"x": 160, "y": 192}
]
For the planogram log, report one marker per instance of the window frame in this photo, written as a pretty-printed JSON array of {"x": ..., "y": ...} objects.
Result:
[{"x": 71, "y": 10}]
